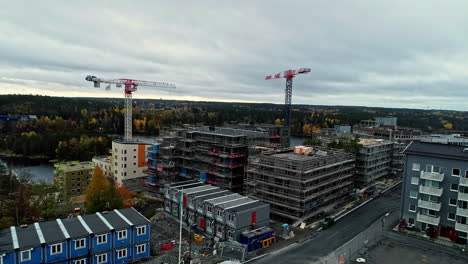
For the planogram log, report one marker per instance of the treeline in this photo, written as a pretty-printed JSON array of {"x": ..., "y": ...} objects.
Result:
[{"x": 62, "y": 146}]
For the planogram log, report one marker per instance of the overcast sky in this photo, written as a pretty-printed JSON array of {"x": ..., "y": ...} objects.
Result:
[{"x": 397, "y": 53}]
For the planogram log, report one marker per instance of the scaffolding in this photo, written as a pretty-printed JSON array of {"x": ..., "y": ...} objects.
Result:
[
  {"x": 218, "y": 155},
  {"x": 301, "y": 187}
]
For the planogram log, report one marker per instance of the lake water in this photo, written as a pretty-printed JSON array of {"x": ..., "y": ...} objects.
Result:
[{"x": 34, "y": 170}]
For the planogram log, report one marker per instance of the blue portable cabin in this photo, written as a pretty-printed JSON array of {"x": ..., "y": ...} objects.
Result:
[
  {"x": 122, "y": 236},
  {"x": 140, "y": 232},
  {"x": 253, "y": 239},
  {"x": 27, "y": 245},
  {"x": 55, "y": 239},
  {"x": 80, "y": 238},
  {"x": 7, "y": 251},
  {"x": 101, "y": 241}
]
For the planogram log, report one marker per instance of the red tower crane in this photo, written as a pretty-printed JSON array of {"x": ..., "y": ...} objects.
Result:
[
  {"x": 289, "y": 75},
  {"x": 130, "y": 86}
]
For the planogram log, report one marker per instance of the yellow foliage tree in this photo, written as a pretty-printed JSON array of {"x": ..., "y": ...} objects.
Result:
[
  {"x": 448, "y": 126},
  {"x": 279, "y": 122}
]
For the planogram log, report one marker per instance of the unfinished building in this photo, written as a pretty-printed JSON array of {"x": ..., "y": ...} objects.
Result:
[
  {"x": 214, "y": 212},
  {"x": 218, "y": 155},
  {"x": 373, "y": 161},
  {"x": 301, "y": 185}
]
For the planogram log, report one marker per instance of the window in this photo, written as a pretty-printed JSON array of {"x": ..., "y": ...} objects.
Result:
[
  {"x": 411, "y": 221},
  {"x": 80, "y": 261},
  {"x": 80, "y": 243},
  {"x": 102, "y": 258},
  {"x": 25, "y": 255},
  {"x": 462, "y": 234},
  {"x": 210, "y": 224},
  {"x": 56, "y": 249},
  {"x": 231, "y": 217},
  {"x": 122, "y": 253},
  {"x": 454, "y": 187},
  {"x": 101, "y": 239},
  {"x": 219, "y": 213},
  {"x": 413, "y": 194},
  {"x": 122, "y": 234},
  {"x": 141, "y": 230},
  {"x": 412, "y": 208},
  {"x": 431, "y": 213},
  {"x": 416, "y": 166},
  {"x": 209, "y": 209},
  {"x": 466, "y": 174},
  {"x": 453, "y": 201},
  {"x": 219, "y": 229},
  {"x": 415, "y": 180},
  {"x": 451, "y": 216},
  {"x": 141, "y": 248},
  {"x": 230, "y": 234},
  {"x": 456, "y": 172}
]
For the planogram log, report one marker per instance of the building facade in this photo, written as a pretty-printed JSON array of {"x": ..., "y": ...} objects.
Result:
[
  {"x": 129, "y": 162},
  {"x": 105, "y": 163},
  {"x": 73, "y": 177},
  {"x": 300, "y": 185},
  {"x": 119, "y": 236},
  {"x": 435, "y": 189},
  {"x": 214, "y": 212},
  {"x": 373, "y": 161}
]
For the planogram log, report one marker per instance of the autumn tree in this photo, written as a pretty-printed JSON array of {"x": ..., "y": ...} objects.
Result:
[{"x": 104, "y": 194}]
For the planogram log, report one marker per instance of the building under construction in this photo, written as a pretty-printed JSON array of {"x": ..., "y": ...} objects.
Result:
[
  {"x": 303, "y": 183},
  {"x": 218, "y": 155}
]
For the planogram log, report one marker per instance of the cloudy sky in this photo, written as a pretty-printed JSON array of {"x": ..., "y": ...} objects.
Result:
[{"x": 398, "y": 53}]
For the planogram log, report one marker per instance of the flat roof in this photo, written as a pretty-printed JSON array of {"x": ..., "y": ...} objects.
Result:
[
  {"x": 74, "y": 227},
  {"x": 132, "y": 142},
  {"x": 6, "y": 243},
  {"x": 27, "y": 237},
  {"x": 374, "y": 141},
  {"x": 96, "y": 224},
  {"x": 134, "y": 216},
  {"x": 233, "y": 132},
  {"x": 52, "y": 232},
  {"x": 236, "y": 202},
  {"x": 115, "y": 220},
  {"x": 214, "y": 195},
  {"x": 207, "y": 192},
  {"x": 247, "y": 206},
  {"x": 76, "y": 166},
  {"x": 437, "y": 150}
]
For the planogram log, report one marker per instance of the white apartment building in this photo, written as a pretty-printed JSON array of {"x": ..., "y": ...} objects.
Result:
[{"x": 129, "y": 162}]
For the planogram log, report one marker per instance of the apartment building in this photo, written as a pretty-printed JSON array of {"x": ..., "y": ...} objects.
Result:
[
  {"x": 129, "y": 162},
  {"x": 213, "y": 211},
  {"x": 105, "y": 163},
  {"x": 300, "y": 185},
  {"x": 73, "y": 177},
  {"x": 373, "y": 161},
  {"x": 119, "y": 236},
  {"x": 218, "y": 155},
  {"x": 435, "y": 189}
]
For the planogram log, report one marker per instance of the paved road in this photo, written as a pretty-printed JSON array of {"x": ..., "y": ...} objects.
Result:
[{"x": 343, "y": 231}]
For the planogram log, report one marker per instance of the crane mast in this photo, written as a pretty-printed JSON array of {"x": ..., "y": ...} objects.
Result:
[
  {"x": 289, "y": 75},
  {"x": 130, "y": 86}
]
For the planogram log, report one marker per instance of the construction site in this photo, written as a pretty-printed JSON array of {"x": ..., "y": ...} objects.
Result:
[{"x": 302, "y": 184}]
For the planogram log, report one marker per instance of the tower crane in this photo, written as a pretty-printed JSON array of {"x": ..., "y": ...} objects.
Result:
[
  {"x": 130, "y": 86},
  {"x": 289, "y": 75}
]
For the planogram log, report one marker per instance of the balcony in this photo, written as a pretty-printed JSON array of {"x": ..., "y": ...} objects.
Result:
[
  {"x": 463, "y": 181},
  {"x": 429, "y": 205},
  {"x": 461, "y": 227},
  {"x": 433, "y": 176},
  {"x": 462, "y": 212},
  {"x": 463, "y": 196},
  {"x": 431, "y": 220},
  {"x": 430, "y": 190}
]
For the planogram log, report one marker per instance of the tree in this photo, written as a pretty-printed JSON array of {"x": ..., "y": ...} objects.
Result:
[
  {"x": 95, "y": 194},
  {"x": 312, "y": 142}
]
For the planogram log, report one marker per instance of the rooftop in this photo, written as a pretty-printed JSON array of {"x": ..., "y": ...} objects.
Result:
[
  {"x": 437, "y": 150},
  {"x": 224, "y": 131},
  {"x": 102, "y": 158},
  {"x": 75, "y": 166},
  {"x": 367, "y": 142}
]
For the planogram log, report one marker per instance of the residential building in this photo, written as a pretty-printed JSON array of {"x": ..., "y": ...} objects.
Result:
[
  {"x": 129, "y": 158},
  {"x": 373, "y": 160},
  {"x": 105, "y": 163},
  {"x": 73, "y": 177},
  {"x": 119, "y": 236},
  {"x": 452, "y": 139},
  {"x": 214, "y": 212},
  {"x": 301, "y": 184},
  {"x": 435, "y": 189},
  {"x": 218, "y": 155}
]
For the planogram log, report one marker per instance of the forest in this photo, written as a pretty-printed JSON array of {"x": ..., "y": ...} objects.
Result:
[{"x": 78, "y": 128}]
